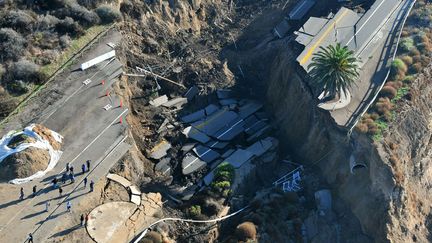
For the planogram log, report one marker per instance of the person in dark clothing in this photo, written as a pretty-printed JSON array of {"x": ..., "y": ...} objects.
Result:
[
  {"x": 22, "y": 193},
  {"x": 30, "y": 238},
  {"x": 71, "y": 169},
  {"x": 85, "y": 182},
  {"x": 34, "y": 190},
  {"x": 60, "y": 191},
  {"x": 88, "y": 165},
  {"x": 71, "y": 177},
  {"x": 91, "y": 186},
  {"x": 82, "y": 220},
  {"x": 83, "y": 168},
  {"x": 67, "y": 167},
  {"x": 64, "y": 178}
]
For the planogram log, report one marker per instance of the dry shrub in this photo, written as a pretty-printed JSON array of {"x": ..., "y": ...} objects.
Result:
[
  {"x": 414, "y": 52},
  {"x": 416, "y": 67},
  {"x": 362, "y": 128},
  {"x": 12, "y": 44},
  {"x": 374, "y": 116},
  {"x": 246, "y": 231},
  {"x": 398, "y": 172},
  {"x": 407, "y": 60},
  {"x": 383, "y": 106},
  {"x": 152, "y": 237},
  {"x": 388, "y": 91},
  {"x": 405, "y": 33}
]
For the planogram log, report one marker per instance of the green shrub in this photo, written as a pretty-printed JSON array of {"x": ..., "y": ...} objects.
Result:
[
  {"x": 17, "y": 87},
  {"x": 224, "y": 171},
  {"x": 194, "y": 211},
  {"x": 108, "y": 14},
  {"x": 398, "y": 69},
  {"x": 408, "y": 79},
  {"x": 246, "y": 231},
  {"x": 406, "y": 44}
]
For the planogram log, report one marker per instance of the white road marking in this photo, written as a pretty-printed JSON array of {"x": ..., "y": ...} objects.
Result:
[{"x": 367, "y": 20}]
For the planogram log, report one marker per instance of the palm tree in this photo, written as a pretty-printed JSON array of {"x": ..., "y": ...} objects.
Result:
[{"x": 334, "y": 69}]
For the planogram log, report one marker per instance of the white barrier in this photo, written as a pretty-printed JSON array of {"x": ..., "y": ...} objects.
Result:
[{"x": 97, "y": 60}]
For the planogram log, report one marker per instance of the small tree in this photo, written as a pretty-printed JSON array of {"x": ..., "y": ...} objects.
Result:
[
  {"x": 108, "y": 14},
  {"x": 334, "y": 69}
]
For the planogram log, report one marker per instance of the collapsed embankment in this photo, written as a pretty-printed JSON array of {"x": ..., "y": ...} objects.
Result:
[
  {"x": 312, "y": 137},
  {"x": 390, "y": 197}
]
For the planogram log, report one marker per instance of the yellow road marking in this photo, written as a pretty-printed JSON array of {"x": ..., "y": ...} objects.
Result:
[{"x": 314, "y": 46}]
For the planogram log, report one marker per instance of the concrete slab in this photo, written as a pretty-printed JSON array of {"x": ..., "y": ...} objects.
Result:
[
  {"x": 191, "y": 93},
  {"x": 208, "y": 179},
  {"x": 191, "y": 163},
  {"x": 239, "y": 157},
  {"x": 226, "y": 102},
  {"x": 231, "y": 130},
  {"x": 135, "y": 199},
  {"x": 107, "y": 222},
  {"x": 249, "y": 108},
  {"x": 212, "y": 124},
  {"x": 224, "y": 93},
  {"x": 228, "y": 153},
  {"x": 164, "y": 166},
  {"x": 159, "y": 101},
  {"x": 300, "y": 10},
  {"x": 191, "y": 132},
  {"x": 119, "y": 179},
  {"x": 309, "y": 29},
  {"x": 196, "y": 116},
  {"x": 160, "y": 150},
  {"x": 260, "y": 147},
  {"x": 135, "y": 190},
  {"x": 176, "y": 102},
  {"x": 206, "y": 154},
  {"x": 216, "y": 144},
  {"x": 210, "y": 109},
  {"x": 259, "y": 134},
  {"x": 188, "y": 147}
]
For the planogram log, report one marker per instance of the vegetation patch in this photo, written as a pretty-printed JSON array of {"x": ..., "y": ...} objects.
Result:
[{"x": 223, "y": 178}]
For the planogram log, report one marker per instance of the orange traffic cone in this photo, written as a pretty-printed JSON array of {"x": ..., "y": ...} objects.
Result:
[
  {"x": 121, "y": 120},
  {"x": 107, "y": 93},
  {"x": 103, "y": 82},
  {"x": 121, "y": 103}
]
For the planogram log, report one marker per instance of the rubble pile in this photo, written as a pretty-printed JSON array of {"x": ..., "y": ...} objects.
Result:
[{"x": 228, "y": 130}]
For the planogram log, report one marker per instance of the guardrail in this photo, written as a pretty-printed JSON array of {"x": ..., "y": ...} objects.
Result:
[
  {"x": 58, "y": 71},
  {"x": 388, "y": 72}
]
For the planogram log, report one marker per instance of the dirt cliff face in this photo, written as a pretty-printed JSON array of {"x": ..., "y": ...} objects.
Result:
[{"x": 407, "y": 148}]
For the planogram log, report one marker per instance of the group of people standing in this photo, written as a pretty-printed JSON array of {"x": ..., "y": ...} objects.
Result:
[{"x": 57, "y": 183}]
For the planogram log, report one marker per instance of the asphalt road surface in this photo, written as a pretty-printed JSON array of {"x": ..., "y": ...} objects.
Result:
[{"x": 90, "y": 132}]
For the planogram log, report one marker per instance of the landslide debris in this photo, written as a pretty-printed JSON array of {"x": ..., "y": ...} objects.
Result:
[{"x": 24, "y": 164}]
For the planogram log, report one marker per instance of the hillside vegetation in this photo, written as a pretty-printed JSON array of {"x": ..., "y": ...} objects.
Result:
[{"x": 37, "y": 35}]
